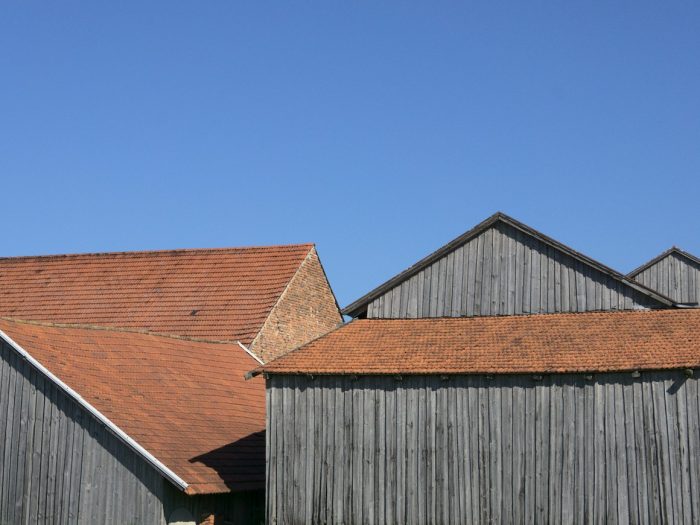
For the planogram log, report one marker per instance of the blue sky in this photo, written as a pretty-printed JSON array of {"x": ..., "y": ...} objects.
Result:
[{"x": 378, "y": 130}]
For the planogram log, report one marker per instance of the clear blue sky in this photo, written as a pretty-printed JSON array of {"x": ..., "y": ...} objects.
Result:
[{"x": 377, "y": 130}]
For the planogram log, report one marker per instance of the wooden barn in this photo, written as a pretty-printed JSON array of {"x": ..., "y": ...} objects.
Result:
[
  {"x": 505, "y": 378},
  {"x": 122, "y": 397},
  {"x": 675, "y": 273},
  {"x": 557, "y": 418}
]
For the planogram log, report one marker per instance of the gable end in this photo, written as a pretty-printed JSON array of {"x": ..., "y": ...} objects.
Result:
[{"x": 503, "y": 267}]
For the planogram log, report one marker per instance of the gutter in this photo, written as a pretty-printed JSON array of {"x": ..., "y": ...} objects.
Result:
[{"x": 114, "y": 429}]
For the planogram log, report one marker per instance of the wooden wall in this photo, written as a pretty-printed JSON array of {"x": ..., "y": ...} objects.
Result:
[
  {"x": 504, "y": 271},
  {"x": 471, "y": 449},
  {"x": 58, "y": 464},
  {"x": 674, "y": 276}
]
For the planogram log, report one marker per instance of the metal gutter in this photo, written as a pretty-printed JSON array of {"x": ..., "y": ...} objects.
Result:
[{"x": 118, "y": 432}]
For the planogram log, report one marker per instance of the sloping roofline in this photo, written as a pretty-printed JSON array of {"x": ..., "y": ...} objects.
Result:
[
  {"x": 156, "y": 252},
  {"x": 661, "y": 256},
  {"x": 360, "y": 305},
  {"x": 112, "y": 427}
]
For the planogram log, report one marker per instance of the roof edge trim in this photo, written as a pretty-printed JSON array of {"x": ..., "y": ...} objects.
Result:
[
  {"x": 251, "y": 354},
  {"x": 118, "y": 432}
]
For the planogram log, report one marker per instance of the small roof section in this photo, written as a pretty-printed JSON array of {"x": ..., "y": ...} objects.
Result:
[
  {"x": 543, "y": 343},
  {"x": 223, "y": 294},
  {"x": 360, "y": 305},
  {"x": 191, "y": 411},
  {"x": 672, "y": 250}
]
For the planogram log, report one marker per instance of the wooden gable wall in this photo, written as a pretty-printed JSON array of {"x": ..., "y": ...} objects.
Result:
[
  {"x": 505, "y": 271},
  {"x": 676, "y": 276}
]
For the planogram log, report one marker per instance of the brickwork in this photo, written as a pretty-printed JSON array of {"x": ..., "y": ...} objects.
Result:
[{"x": 306, "y": 310}]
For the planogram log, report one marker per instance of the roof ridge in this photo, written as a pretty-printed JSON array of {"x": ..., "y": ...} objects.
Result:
[
  {"x": 163, "y": 251},
  {"x": 78, "y": 326}
]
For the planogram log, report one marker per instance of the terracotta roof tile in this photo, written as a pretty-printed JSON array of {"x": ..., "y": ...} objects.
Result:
[
  {"x": 184, "y": 401},
  {"x": 223, "y": 294},
  {"x": 551, "y": 343}
]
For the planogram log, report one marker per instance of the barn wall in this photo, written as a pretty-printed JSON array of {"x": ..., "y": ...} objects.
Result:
[
  {"x": 473, "y": 449},
  {"x": 674, "y": 276},
  {"x": 503, "y": 271},
  {"x": 58, "y": 464}
]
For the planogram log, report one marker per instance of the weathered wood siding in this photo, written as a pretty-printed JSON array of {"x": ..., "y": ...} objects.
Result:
[
  {"x": 474, "y": 449},
  {"x": 58, "y": 464},
  {"x": 674, "y": 276},
  {"x": 504, "y": 271}
]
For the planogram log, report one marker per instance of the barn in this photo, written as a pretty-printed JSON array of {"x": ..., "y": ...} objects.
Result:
[
  {"x": 557, "y": 418},
  {"x": 122, "y": 398},
  {"x": 504, "y": 378}
]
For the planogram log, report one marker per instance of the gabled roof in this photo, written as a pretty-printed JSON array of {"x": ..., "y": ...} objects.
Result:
[
  {"x": 182, "y": 404},
  {"x": 224, "y": 294},
  {"x": 360, "y": 305},
  {"x": 543, "y": 343},
  {"x": 674, "y": 250}
]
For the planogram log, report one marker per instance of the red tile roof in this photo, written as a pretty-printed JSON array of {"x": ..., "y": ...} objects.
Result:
[
  {"x": 547, "y": 343},
  {"x": 192, "y": 410},
  {"x": 223, "y": 294}
]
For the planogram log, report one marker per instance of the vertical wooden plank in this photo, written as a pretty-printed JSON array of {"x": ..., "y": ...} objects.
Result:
[
  {"x": 357, "y": 458},
  {"x": 590, "y": 429},
  {"x": 495, "y": 272},
  {"x": 412, "y": 308},
  {"x": 412, "y": 474},
  {"x": 448, "y": 286},
  {"x": 693, "y": 412},
  {"x": 542, "y": 452},
  {"x": 344, "y": 462},
  {"x": 536, "y": 280},
  {"x": 569, "y": 449},
  {"x": 482, "y": 300},
  {"x": 556, "y": 456},
  {"x": 472, "y": 271},
  {"x": 507, "y": 481},
  {"x": 474, "y": 446},
  {"x": 519, "y": 438},
  {"x": 600, "y": 496},
  {"x": 633, "y": 477},
  {"x": 527, "y": 276},
  {"x": 427, "y": 292},
  {"x": 553, "y": 299},
  {"x": 620, "y": 440},
  {"x": 392, "y": 490},
  {"x": 458, "y": 282},
  {"x": 403, "y": 436},
  {"x": 22, "y": 437},
  {"x": 641, "y": 451},
  {"x": 271, "y": 448},
  {"x": 531, "y": 451},
  {"x": 517, "y": 269},
  {"x": 484, "y": 451},
  {"x": 367, "y": 414},
  {"x": 13, "y": 380},
  {"x": 674, "y": 384}
]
